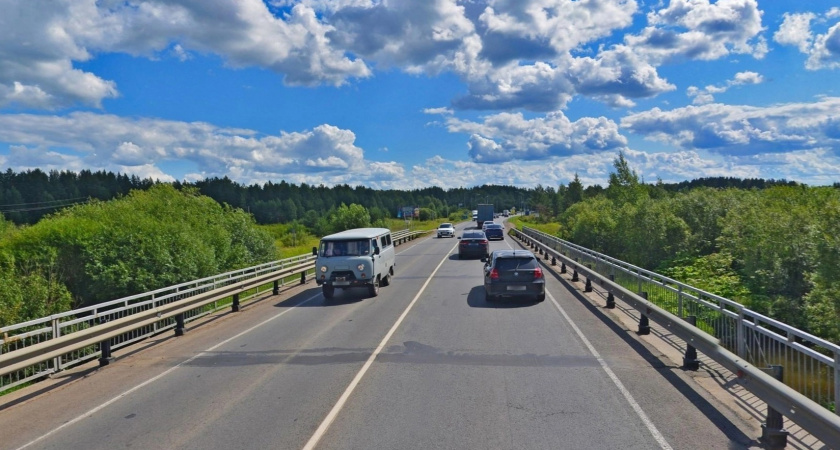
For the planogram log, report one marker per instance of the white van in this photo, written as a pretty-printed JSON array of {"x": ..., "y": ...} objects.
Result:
[{"x": 361, "y": 257}]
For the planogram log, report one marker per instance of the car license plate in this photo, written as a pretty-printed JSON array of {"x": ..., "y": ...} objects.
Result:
[
  {"x": 341, "y": 283},
  {"x": 516, "y": 288}
]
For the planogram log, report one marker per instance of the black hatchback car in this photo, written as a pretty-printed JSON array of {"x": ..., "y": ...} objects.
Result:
[
  {"x": 513, "y": 273},
  {"x": 473, "y": 243}
]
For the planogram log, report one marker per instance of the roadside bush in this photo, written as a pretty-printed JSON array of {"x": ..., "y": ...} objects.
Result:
[{"x": 141, "y": 242}]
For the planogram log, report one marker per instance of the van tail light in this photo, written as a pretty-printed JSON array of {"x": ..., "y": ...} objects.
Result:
[
  {"x": 538, "y": 273},
  {"x": 494, "y": 274}
]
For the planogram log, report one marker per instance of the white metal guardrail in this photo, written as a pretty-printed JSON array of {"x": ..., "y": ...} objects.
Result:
[
  {"x": 40, "y": 347},
  {"x": 732, "y": 335},
  {"x": 35, "y": 349}
]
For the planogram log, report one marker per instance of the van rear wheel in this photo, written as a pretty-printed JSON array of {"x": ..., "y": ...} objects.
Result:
[
  {"x": 328, "y": 291},
  {"x": 373, "y": 288}
]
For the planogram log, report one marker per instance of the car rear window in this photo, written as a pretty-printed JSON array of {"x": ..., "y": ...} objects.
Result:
[
  {"x": 493, "y": 225},
  {"x": 474, "y": 235},
  {"x": 516, "y": 263}
]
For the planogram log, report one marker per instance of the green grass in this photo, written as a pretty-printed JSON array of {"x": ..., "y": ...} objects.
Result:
[{"x": 531, "y": 222}]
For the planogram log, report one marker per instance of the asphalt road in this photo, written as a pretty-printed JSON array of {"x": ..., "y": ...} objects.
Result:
[{"x": 428, "y": 364}]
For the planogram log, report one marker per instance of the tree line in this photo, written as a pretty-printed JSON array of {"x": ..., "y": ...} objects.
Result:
[
  {"x": 773, "y": 246},
  {"x": 28, "y": 196}
]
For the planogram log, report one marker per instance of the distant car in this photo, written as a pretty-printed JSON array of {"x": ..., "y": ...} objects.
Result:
[
  {"x": 446, "y": 229},
  {"x": 513, "y": 273},
  {"x": 484, "y": 225},
  {"x": 494, "y": 231},
  {"x": 473, "y": 243}
]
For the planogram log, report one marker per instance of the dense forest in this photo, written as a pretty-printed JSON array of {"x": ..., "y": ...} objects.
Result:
[
  {"x": 28, "y": 196},
  {"x": 772, "y": 245}
]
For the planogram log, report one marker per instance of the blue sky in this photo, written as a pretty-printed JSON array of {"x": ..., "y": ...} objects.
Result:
[{"x": 407, "y": 93}]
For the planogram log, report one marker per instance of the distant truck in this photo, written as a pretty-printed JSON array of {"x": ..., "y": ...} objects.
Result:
[{"x": 485, "y": 214}]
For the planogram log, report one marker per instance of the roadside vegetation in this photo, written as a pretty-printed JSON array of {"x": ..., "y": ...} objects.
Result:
[
  {"x": 100, "y": 251},
  {"x": 775, "y": 249},
  {"x": 771, "y": 245}
]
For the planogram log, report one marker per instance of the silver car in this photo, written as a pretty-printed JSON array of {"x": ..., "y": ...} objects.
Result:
[{"x": 446, "y": 230}]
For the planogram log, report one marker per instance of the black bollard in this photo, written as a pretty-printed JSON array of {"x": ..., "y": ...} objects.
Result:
[
  {"x": 644, "y": 322},
  {"x": 235, "y": 305},
  {"x": 105, "y": 348},
  {"x": 179, "y": 324},
  {"x": 773, "y": 435},
  {"x": 588, "y": 287},
  {"x": 690, "y": 361},
  {"x": 276, "y": 289}
]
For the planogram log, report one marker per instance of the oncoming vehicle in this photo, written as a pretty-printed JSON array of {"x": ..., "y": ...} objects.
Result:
[
  {"x": 513, "y": 273},
  {"x": 361, "y": 257},
  {"x": 446, "y": 229}
]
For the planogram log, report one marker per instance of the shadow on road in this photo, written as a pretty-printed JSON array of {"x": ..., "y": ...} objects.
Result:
[{"x": 478, "y": 299}]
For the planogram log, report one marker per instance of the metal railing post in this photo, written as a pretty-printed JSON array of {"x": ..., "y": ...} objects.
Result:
[
  {"x": 772, "y": 432},
  {"x": 235, "y": 305},
  {"x": 741, "y": 335},
  {"x": 680, "y": 301},
  {"x": 837, "y": 383},
  {"x": 276, "y": 289},
  {"x": 56, "y": 332}
]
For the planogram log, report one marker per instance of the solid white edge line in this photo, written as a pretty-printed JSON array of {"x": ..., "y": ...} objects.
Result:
[
  {"x": 161, "y": 375},
  {"x": 635, "y": 405},
  {"x": 328, "y": 420}
]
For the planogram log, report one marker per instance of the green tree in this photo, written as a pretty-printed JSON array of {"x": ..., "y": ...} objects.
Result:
[
  {"x": 823, "y": 302},
  {"x": 650, "y": 233},
  {"x": 592, "y": 224},
  {"x": 771, "y": 236},
  {"x": 574, "y": 193},
  {"x": 348, "y": 217},
  {"x": 624, "y": 185}
]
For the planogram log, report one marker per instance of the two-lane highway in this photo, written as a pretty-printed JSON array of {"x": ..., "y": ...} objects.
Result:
[{"x": 426, "y": 364}]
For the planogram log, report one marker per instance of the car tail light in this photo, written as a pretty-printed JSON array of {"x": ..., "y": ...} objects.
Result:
[
  {"x": 494, "y": 274},
  {"x": 484, "y": 241},
  {"x": 538, "y": 273}
]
